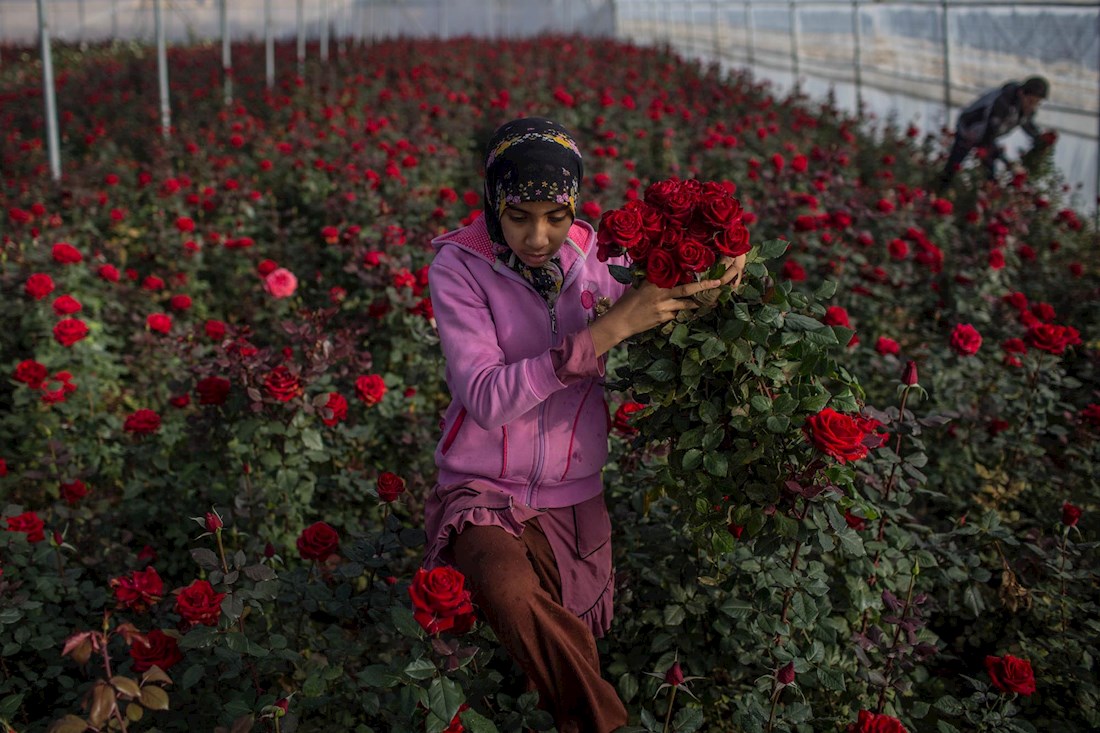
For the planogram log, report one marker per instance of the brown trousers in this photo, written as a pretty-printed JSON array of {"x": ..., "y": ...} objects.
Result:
[{"x": 515, "y": 583}]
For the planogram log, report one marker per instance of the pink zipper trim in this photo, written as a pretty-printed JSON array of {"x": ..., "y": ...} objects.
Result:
[
  {"x": 504, "y": 457},
  {"x": 453, "y": 433},
  {"x": 573, "y": 434}
]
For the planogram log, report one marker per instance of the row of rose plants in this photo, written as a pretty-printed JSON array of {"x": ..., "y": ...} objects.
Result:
[{"x": 235, "y": 325}]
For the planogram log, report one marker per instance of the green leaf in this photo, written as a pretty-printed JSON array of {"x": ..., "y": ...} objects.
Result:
[
  {"x": 674, "y": 615},
  {"x": 445, "y": 697},
  {"x": 949, "y": 705},
  {"x": 830, "y": 678},
  {"x": 475, "y": 722},
  {"x": 772, "y": 248},
  {"x": 761, "y": 403},
  {"x": 622, "y": 275},
  {"x": 688, "y": 720},
  {"x": 191, "y": 677},
  {"x": 737, "y": 609},
  {"x": 692, "y": 459},
  {"x": 238, "y": 642},
  {"x": 404, "y": 622},
  {"x": 778, "y": 424},
  {"x": 944, "y": 727},
  {"x": 716, "y": 464},
  {"x": 798, "y": 322},
  {"x": 662, "y": 370},
  {"x": 851, "y": 542},
  {"x": 312, "y": 439},
  {"x": 713, "y": 347},
  {"x": 378, "y": 675},
  {"x": 421, "y": 669},
  {"x": 199, "y": 637},
  {"x": 826, "y": 290},
  {"x": 679, "y": 336},
  {"x": 919, "y": 709},
  {"x": 10, "y": 705}
]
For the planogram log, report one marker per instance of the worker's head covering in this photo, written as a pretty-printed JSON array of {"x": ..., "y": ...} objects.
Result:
[{"x": 1036, "y": 86}]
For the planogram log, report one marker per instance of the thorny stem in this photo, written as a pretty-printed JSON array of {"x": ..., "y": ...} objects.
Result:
[
  {"x": 668, "y": 713},
  {"x": 107, "y": 669},
  {"x": 776, "y": 690},
  {"x": 894, "y": 644},
  {"x": 221, "y": 551},
  {"x": 1062, "y": 573},
  {"x": 893, "y": 469},
  {"x": 790, "y": 592}
]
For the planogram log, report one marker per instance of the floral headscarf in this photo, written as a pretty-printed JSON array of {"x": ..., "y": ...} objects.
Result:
[{"x": 530, "y": 159}]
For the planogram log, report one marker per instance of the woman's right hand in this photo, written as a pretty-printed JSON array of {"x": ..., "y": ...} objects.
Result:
[{"x": 642, "y": 308}]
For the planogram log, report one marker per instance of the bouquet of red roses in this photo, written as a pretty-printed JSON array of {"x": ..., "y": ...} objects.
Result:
[{"x": 677, "y": 232}]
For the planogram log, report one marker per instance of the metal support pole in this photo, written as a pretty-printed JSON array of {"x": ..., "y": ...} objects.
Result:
[
  {"x": 794, "y": 45},
  {"x": 301, "y": 25},
  {"x": 717, "y": 41},
  {"x": 946, "y": 65},
  {"x": 749, "y": 33},
  {"x": 269, "y": 46},
  {"x": 162, "y": 71},
  {"x": 1096, "y": 201},
  {"x": 857, "y": 56},
  {"x": 227, "y": 51},
  {"x": 81, "y": 28},
  {"x": 52, "y": 143},
  {"x": 324, "y": 30}
]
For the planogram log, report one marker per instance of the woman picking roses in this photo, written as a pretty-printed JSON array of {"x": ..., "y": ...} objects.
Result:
[{"x": 518, "y": 507}]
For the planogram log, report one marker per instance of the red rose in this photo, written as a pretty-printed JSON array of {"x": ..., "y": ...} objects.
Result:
[
  {"x": 185, "y": 224},
  {"x": 844, "y": 437},
  {"x": 73, "y": 491},
  {"x": 661, "y": 269},
  {"x": 180, "y": 302},
  {"x": 390, "y": 486},
  {"x": 1052, "y": 338},
  {"x": 965, "y": 340},
  {"x": 719, "y": 212},
  {"x": 869, "y": 722},
  {"x": 1091, "y": 415},
  {"x": 837, "y": 316},
  {"x": 52, "y": 394},
  {"x": 282, "y": 384},
  {"x": 159, "y": 322},
  {"x": 3, "y": 468},
  {"x": 622, "y": 417},
  {"x": 109, "y": 273},
  {"x": 156, "y": 649},
  {"x": 142, "y": 422},
  {"x": 139, "y": 591},
  {"x": 886, "y": 346},
  {"x": 65, "y": 254},
  {"x": 1011, "y": 674},
  {"x": 29, "y": 524},
  {"x": 370, "y": 388},
  {"x": 212, "y": 390},
  {"x": 66, "y": 305},
  {"x": 1070, "y": 514},
  {"x": 793, "y": 271},
  {"x": 694, "y": 256},
  {"x": 30, "y": 373},
  {"x": 318, "y": 541},
  {"x": 619, "y": 229},
  {"x": 733, "y": 241},
  {"x": 70, "y": 330},
  {"x": 38, "y": 285},
  {"x": 441, "y": 602},
  {"x": 336, "y": 408},
  {"x": 199, "y": 604},
  {"x": 215, "y": 330},
  {"x": 456, "y": 722}
]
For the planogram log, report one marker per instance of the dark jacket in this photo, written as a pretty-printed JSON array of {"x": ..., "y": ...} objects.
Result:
[{"x": 994, "y": 114}]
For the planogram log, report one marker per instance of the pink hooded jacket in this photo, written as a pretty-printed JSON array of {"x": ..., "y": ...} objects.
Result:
[{"x": 528, "y": 414}]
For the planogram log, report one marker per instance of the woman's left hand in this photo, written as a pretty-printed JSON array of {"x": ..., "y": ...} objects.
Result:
[{"x": 735, "y": 268}]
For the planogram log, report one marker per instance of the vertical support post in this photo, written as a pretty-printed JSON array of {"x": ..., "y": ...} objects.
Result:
[
  {"x": 717, "y": 41},
  {"x": 794, "y": 44},
  {"x": 857, "y": 55},
  {"x": 944, "y": 28},
  {"x": 750, "y": 34},
  {"x": 441, "y": 13},
  {"x": 48, "y": 92},
  {"x": 300, "y": 24},
  {"x": 269, "y": 46},
  {"x": 324, "y": 30},
  {"x": 114, "y": 20},
  {"x": 81, "y": 28},
  {"x": 1096, "y": 201},
  {"x": 162, "y": 71},
  {"x": 227, "y": 51}
]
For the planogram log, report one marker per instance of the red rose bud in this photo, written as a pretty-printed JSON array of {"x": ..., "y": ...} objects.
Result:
[
  {"x": 909, "y": 376},
  {"x": 213, "y": 522},
  {"x": 1070, "y": 514},
  {"x": 674, "y": 676},
  {"x": 785, "y": 675},
  {"x": 269, "y": 550},
  {"x": 283, "y": 705}
]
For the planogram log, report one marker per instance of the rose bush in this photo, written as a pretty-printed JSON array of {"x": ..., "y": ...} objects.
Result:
[{"x": 746, "y": 553}]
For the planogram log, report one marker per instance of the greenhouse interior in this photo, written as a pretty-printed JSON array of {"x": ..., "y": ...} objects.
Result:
[{"x": 590, "y": 366}]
